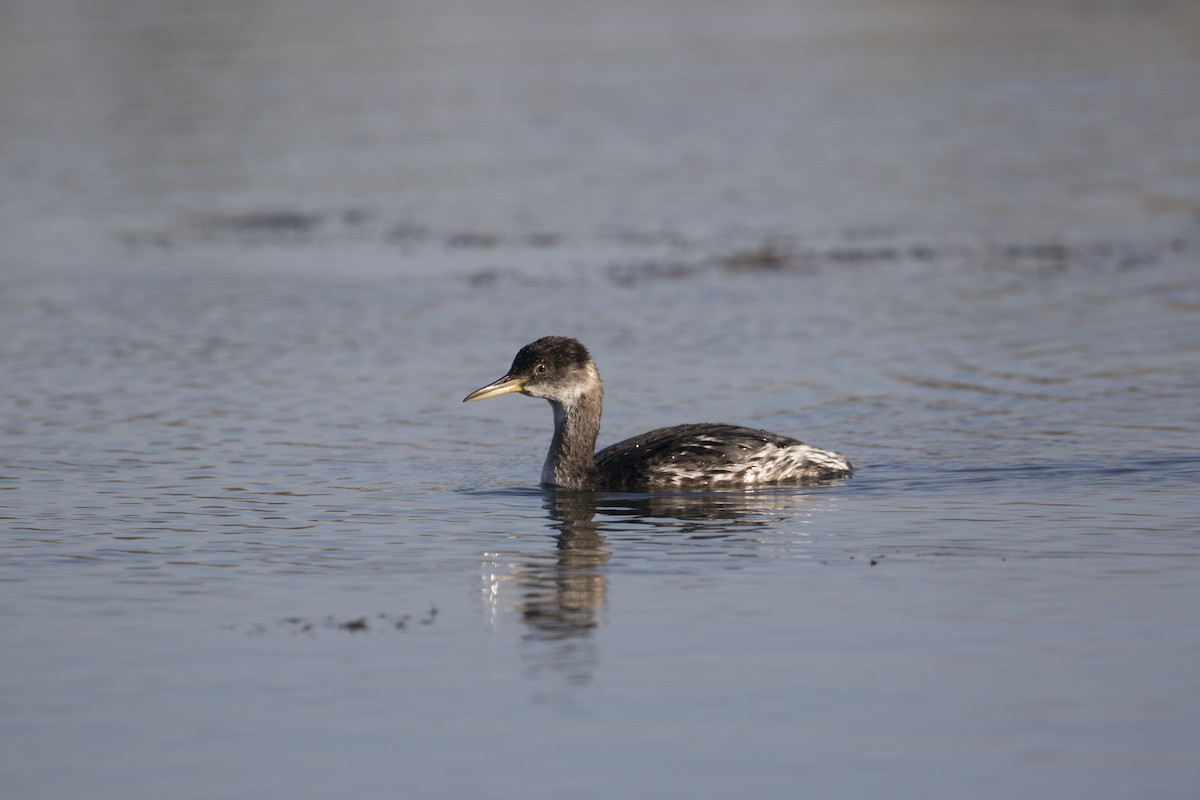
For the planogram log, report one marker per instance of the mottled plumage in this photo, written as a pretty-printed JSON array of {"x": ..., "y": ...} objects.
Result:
[
  {"x": 713, "y": 454},
  {"x": 697, "y": 456}
]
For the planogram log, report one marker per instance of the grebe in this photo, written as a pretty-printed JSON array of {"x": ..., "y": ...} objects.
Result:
[{"x": 698, "y": 456}]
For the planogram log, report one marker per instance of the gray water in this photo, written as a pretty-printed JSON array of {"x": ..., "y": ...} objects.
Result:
[{"x": 252, "y": 256}]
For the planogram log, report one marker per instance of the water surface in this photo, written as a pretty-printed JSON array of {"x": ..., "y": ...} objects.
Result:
[{"x": 254, "y": 544}]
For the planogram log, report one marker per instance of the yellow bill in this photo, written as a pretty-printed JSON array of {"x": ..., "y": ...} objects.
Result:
[{"x": 505, "y": 385}]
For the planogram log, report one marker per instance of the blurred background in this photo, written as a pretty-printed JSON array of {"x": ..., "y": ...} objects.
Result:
[{"x": 485, "y": 123}]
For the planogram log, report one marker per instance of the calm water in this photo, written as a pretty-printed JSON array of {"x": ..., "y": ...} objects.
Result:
[{"x": 254, "y": 257}]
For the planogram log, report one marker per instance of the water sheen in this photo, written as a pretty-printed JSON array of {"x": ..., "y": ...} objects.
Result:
[{"x": 254, "y": 545}]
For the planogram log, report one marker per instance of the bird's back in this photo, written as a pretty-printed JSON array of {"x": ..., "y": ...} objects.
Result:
[{"x": 715, "y": 455}]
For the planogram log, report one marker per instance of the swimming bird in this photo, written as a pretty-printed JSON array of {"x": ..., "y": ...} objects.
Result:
[{"x": 683, "y": 457}]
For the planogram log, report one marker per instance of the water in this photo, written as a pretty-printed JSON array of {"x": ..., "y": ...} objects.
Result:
[{"x": 254, "y": 545}]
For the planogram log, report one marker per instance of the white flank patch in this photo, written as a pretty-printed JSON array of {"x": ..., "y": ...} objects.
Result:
[{"x": 769, "y": 464}]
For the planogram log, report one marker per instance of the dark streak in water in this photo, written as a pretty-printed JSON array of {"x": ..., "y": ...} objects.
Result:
[
  {"x": 362, "y": 624},
  {"x": 662, "y": 255}
]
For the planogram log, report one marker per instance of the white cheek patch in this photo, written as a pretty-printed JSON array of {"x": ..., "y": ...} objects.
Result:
[
  {"x": 587, "y": 382},
  {"x": 569, "y": 393}
]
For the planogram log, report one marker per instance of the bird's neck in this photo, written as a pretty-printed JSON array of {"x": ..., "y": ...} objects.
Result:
[{"x": 570, "y": 464}]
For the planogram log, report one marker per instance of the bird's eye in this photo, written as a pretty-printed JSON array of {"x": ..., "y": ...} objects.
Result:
[{"x": 540, "y": 369}]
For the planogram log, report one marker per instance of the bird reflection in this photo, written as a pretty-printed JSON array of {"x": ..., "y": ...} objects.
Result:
[
  {"x": 558, "y": 596},
  {"x": 559, "y": 593},
  {"x": 713, "y": 507},
  {"x": 566, "y": 597}
]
